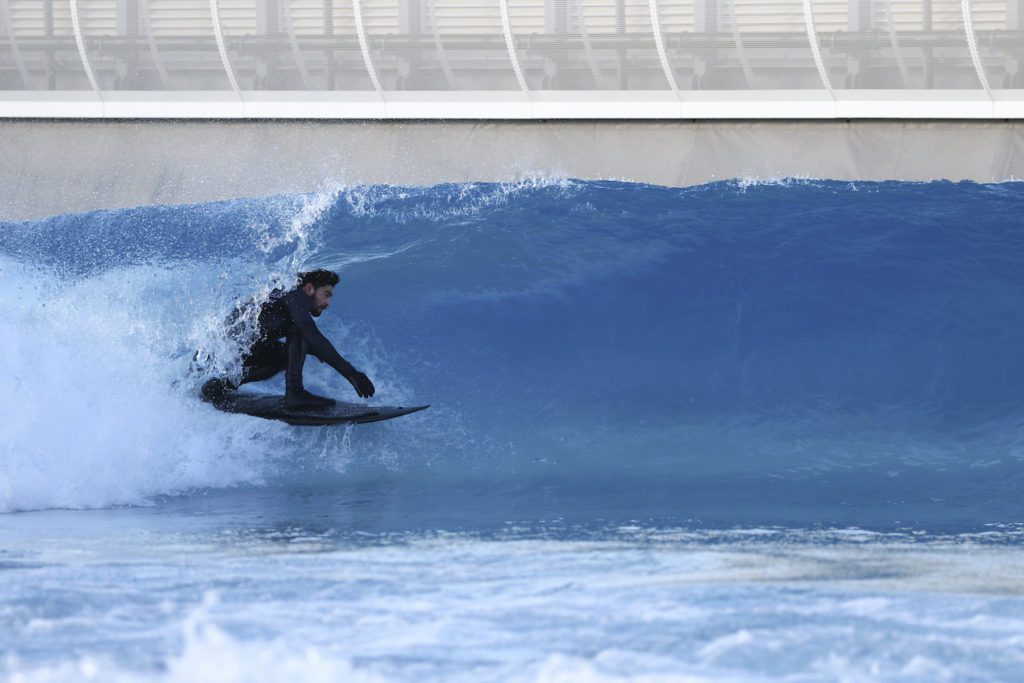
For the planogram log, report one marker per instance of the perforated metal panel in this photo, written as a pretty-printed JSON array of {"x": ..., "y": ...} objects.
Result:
[
  {"x": 738, "y": 45},
  {"x": 146, "y": 45},
  {"x": 328, "y": 47},
  {"x": 438, "y": 45},
  {"x": 587, "y": 44},
  {"x": 13, "y": 70},
  {"x": 293, "y": 44},
  {"x": 998, "y": 32},
  {"x": 471, "y": 44},
  {"x": 896, "y": 44},
  {"x": 39, "y": 49}
]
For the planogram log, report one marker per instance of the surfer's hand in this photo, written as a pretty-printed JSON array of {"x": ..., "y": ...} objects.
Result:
[{"x": 362, "y": 384}]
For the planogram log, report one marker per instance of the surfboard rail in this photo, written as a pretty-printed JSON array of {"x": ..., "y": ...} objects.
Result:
[{"x": 272, "y": 407}]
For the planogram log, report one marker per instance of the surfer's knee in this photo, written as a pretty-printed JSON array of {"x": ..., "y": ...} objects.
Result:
[{"x": 260, "y": 373}]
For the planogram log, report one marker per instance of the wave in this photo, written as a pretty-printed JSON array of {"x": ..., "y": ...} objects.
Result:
[{"x": 560, "y": 328}]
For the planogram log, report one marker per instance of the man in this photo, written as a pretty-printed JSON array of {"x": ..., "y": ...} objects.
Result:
[{"x": 289, "y": 315}]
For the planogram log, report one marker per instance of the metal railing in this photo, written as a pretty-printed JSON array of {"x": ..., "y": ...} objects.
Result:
[{"x": 812, "y": 58}]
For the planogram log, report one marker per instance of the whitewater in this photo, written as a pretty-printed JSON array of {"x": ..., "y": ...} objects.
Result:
[{"x": 749, "y": 430}]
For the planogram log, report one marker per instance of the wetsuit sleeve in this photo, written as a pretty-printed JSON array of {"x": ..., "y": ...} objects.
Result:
[{"x": 319, "y": 346}]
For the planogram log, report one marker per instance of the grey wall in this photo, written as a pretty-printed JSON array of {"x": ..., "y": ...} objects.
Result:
[{"x": 50, "y": 167}]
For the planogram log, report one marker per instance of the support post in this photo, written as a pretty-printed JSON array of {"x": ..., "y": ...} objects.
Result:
[
  {"x": 410, "y": 17},
  {"x": 431, "y": 20},
  {"x": 705, "y": 16},
  {"x": 267, "y": 13},
  {"x": 410, "y": 25},
  {"x": 285, "y": 14},
  {"x": 12, "y": 38},
  {"x": 329, "y": 31},
  {"x": 127, "y": 17}
]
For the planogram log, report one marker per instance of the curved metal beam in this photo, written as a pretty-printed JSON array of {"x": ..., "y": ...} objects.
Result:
[
  {"x": 506, "y": 25},
  {"x": 364, "y": 46},
  {"x": 812, "y": 36},
  {"x": 659, "y": 42},
  {"x": 75, "y": 24},
  {"x": 972, "y": 45},
  {"x": 219, "y": 36}
]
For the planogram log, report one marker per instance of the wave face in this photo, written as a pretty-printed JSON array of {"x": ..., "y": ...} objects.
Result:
[{"x": 833, "y": 342}]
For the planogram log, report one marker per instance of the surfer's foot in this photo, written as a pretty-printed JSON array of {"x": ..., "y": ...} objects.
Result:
[
  {"x": 216, "y": 390},
  {"x": 300, "y": 399}
]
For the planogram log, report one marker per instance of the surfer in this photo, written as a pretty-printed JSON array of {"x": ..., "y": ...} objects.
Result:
[{"x": 289, "y": 315}]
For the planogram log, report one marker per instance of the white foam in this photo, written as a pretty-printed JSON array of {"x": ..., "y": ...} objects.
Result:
[
  {"x": 462, "y": 199},
  {"x": 568, "y": 669},
  {"x": 211, "y": 654},
  {"x": 99, "y": 406},
  {"x": 455, "y": 608},
  {"x": 95, "y": 412},
  {"x": 725, "y": 644}
]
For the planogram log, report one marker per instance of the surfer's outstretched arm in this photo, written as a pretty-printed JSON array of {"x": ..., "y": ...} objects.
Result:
[{"x": 318, "y": 345}]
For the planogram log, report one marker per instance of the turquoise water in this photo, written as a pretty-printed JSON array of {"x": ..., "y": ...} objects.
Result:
[{"x": 742, "y": 431}]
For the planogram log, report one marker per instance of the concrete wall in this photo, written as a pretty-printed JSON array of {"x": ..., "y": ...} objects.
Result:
[{"x": 51, "y": 167}]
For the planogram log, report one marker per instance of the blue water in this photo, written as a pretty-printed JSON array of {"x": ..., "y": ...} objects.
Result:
[{"x": 741, "y": 431}]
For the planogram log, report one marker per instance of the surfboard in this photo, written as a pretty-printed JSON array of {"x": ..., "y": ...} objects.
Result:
[{"x": 271, "y": 407}]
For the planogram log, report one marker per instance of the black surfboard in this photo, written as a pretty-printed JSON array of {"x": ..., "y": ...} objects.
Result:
[{"x": 272, "y": 407}]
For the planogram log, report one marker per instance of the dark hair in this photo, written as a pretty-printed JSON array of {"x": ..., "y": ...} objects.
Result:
[{"x": 318, "y": 278}]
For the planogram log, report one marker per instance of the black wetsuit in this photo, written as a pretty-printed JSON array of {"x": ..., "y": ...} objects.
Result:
[{"x": 288, "y": 315}]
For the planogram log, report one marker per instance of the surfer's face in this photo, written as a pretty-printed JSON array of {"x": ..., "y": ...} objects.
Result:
[{"x": 319, "y": 298}]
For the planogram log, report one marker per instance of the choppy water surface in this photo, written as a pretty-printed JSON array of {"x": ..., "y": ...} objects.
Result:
[{"x": 734, "y": 432}]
